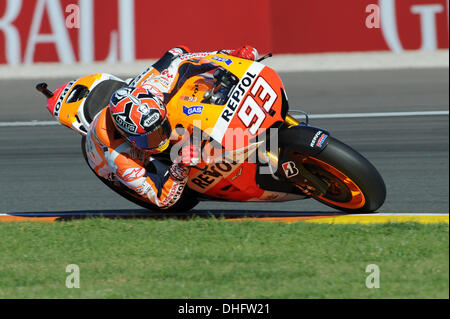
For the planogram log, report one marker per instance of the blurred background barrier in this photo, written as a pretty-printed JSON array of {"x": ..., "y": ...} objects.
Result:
[{"x": 85, "y": 31}]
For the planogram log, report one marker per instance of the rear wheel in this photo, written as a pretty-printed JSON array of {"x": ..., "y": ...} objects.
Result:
[{"x": 353, "y": 183}]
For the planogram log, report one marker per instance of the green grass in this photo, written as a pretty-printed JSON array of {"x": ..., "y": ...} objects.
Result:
[{"x": 209, "y": 258}]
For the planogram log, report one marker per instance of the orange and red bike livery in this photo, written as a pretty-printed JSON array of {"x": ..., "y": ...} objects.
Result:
[{"x": 234, "y": 103}]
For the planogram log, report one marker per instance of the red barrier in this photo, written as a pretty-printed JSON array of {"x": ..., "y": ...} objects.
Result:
[
  {"x": 87, "y": 30},
  {"x": 337, "y": 26}
]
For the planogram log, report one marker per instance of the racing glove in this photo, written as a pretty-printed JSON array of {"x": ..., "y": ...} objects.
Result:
[
  {"x": 179, "y": 172},
  {"x": 246, "y": 52},
  {"x": 179, "y": 50},
  {"x": 190, "y": 156}
]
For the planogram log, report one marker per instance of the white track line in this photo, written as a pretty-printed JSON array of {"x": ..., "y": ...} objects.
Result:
[
  {"x": 311, "y": 116},
  {"x": 30, "y": 123},
  {"x": 381, "y": 114}
]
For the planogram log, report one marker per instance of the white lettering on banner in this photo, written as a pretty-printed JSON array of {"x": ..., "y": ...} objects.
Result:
[
  {"x": 19, "y": 39},
  {"x": 127, "y": 33},
  {"x": 12, "y": 36},
  {"x": 428, "y": 24},
  {"x": 60, "y": 36},
  {"x": 113, "y": 51},
  {"x": 389, "y": 25},
  {"x": 86, "y": 42},
  {"x": 122, "y": 39}
]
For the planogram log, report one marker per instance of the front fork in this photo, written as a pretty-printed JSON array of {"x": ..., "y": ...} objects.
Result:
[
  {"x": 290, "y": 121},
  {"x": 273, "y": 158},
  {"x": 290, "y": 167}
]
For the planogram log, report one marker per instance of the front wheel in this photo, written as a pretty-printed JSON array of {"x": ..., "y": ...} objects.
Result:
[{"x": 353, "y": 184}]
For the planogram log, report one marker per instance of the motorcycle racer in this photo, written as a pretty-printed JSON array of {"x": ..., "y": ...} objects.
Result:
[{"x": 125, "y": 134}]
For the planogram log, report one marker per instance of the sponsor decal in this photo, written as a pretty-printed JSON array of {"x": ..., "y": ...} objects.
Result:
[
  {"x": 194, "y": 55},
  {"x": 176, "y": 51},
  {"x": 321, "y": 140},
  {"x": 132, "y": 174},
  {"x": 314, "y": 140},
  {"x": 152, "y": 119},
  {"x": 164, "y": 81},
  {"x": 192, "y": 110},
  {"x": 237, "y": 96},
  {"x": 189, "y": 98},
  {"x": 122, "y": 122},
  {"x": 220, "y": 59},
  {"x": 212, "y": 174},
  {"x": 290, "y": 169},
  {"x": 61, "y": 98},
  {"x": 174, "y": 194},
  {"x": 167, "y": 74},
  {"x": 239, "y": 173}
]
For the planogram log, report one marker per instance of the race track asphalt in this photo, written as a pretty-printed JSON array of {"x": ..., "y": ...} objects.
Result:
[{"x": 42, "y": 168}]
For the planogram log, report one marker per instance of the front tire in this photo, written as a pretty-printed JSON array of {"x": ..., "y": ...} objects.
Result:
[{"x": 354, "y": 184}]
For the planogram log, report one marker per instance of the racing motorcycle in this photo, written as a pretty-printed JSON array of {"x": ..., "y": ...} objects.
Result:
[{"x": 240, "y": 109}]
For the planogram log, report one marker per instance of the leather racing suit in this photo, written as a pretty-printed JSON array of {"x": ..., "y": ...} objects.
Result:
[{"x": 113, "y": 158}]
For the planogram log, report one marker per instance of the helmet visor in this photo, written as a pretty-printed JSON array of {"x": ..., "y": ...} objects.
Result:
[{"x": 152, "y": 140}]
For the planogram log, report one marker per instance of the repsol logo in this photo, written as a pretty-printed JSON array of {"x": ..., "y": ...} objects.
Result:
[
  {"x": 237, "y": 96},
  {"x": 316, "y": 136},
  {"x": 173, "y": 196},
  {"x": 206, "y": 178},
  {"x": 61, "y": 98}
]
